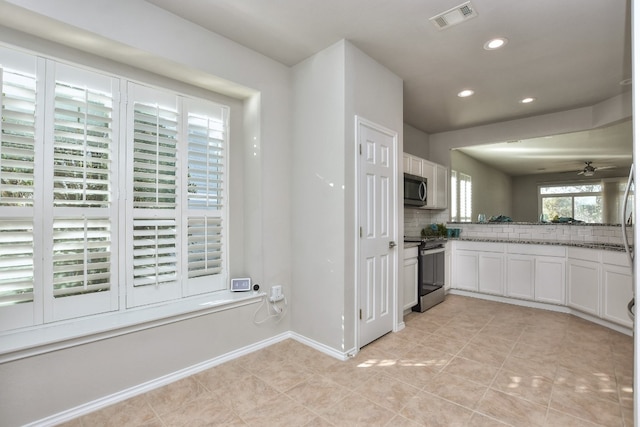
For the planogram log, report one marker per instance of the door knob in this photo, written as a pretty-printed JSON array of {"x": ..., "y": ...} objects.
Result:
[{"x": 392, "y": 244}]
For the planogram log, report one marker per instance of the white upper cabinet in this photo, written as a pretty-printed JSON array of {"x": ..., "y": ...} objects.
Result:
[{"x": 437, "y": 179}]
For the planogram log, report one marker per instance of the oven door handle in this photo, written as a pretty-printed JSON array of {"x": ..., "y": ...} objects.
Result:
[{"x": 431, "y": 251}]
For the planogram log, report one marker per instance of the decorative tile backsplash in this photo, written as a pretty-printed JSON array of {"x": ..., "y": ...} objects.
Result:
[
  {"x": 416, "y": 219},
  {"x": 581, "y": 233}
]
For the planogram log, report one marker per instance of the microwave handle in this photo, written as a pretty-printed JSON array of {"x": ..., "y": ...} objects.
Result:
[{"x": 422, "y": 191}]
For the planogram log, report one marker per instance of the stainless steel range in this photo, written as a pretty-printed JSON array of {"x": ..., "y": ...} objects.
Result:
[{"x": 430, "y": 273}]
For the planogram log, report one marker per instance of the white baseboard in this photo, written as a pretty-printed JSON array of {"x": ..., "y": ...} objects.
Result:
[
  {"x": 123, "y": 395},
  {"x": 544, "y": 306},
  {"x": 323, "y": 348}
]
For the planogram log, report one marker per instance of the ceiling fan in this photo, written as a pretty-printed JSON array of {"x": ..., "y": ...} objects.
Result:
[{"x": 590, "y": 170}]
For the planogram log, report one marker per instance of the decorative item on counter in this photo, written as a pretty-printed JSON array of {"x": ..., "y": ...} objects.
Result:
[
  {"x": 565, "y": 220},
  {"x": 453, "y": 232},
  {"x": 543, "y": 218},
  {"x": 500, "y": 218},
  {"x": 482, "y": 218},
  {"x": 434, "y": 231}
]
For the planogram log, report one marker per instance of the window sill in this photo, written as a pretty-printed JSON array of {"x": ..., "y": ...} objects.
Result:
[{"x": 46, "y": 338}]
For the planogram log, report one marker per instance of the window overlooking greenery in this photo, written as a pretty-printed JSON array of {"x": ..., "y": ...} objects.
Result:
[
  {"x": 581, "y": 202},
  {"x": 112, "y": 194}
]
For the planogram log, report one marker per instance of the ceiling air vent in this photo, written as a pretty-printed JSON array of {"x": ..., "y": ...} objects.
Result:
[{"x": 454, "y": 16}]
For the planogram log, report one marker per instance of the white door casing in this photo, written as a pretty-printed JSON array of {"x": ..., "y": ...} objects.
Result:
[{"x": 377, "y": 207}]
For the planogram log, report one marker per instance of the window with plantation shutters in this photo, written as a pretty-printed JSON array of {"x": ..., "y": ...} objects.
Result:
[{"x": 112, "y": 196}]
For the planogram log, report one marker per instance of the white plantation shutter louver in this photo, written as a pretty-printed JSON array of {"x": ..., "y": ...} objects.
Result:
[
  {"x": 17, "y": 152},
  {"x": 154, "y": 252},
  {"x": 206, "y": 162},
  {"x": 16, "y": 261},
  {"x": 155, "y": 140},
  {"x": 205, "y": 246},
  {"x": 81, "y": 256},
  {"x": 82, "y": 161}
]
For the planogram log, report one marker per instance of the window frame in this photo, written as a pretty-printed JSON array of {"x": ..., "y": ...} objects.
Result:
[
  {"x": 42, "y": 336},
  {"x": 461, "y": 210},
  {"x": 572, "y": 195}
]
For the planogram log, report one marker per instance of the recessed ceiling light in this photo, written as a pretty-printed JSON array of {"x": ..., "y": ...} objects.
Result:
[
  {"x": 465, "y": 93},
  {"x": 528, "y": 100},
  {"x": 496, "y": 43}
]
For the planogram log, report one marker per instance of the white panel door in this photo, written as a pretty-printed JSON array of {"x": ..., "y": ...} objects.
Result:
[{"x": 377, "y": 216}]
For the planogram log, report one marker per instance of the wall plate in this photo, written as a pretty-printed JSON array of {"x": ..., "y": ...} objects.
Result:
[{"x": 241, "y": 285}]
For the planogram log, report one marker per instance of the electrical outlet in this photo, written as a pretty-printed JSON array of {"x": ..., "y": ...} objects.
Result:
[{"x": 276, "y": 293}]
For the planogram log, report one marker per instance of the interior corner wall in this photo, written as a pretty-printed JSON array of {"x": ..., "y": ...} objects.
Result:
[{"x": 318, "y": 197}]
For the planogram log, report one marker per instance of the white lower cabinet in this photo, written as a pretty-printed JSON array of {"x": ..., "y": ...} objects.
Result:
[
  {"x": 491, "y": 273},
  {"x": 410, "y": 278},
  {"x": 593, "y": 281},
  {"x": 617, "y": 291},
  {"x": 465, "y": 270},
  {"x": 583, "y": 279},
  {"x": 520, "y": 276},
  {"x": 550, "y": 280}
]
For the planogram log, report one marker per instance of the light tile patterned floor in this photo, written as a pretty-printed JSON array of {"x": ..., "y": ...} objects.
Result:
[{"x": 465, "y": 362}]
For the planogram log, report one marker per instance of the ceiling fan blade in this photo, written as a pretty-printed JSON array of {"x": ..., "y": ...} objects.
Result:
[{"x": 581, "y": 173}]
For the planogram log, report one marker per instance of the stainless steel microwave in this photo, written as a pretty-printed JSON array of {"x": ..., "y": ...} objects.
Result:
[{"x": 415, "y": 190}]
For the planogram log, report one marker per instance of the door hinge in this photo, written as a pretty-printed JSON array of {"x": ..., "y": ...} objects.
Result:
[
  {"x": 360, "y": 232},
  {"x": 360, "y": 148},
  {"x": 360, "y": 314}
]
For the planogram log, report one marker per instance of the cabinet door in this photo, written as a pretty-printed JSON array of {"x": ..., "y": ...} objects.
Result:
[
  {"x": 415, "y": 166},
  {"x": 616, "y": 293},
  {"x": 550, "y": 280},
  {"x": 447, "y": 267},
  {"x": 491, "y": 273},
  {"x": 584, "y": 285},
  {"x": 406, "y": 163},
  {"x": 465, "y": 274},
  {"x": 520, "y": 276},
  {"x": 410, "y": 286},
  {"x": 441, "y": 195},
  {"x": 429, "y": 172}
]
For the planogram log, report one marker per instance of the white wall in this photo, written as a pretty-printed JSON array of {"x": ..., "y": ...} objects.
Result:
[
  {"x": 40, "y": 386},
  {"x": 491, "y": 189},
  {"x": 330, "y": 89},
  {"x": 416, "y": 142},
  {"x": 318, "y": 197}
]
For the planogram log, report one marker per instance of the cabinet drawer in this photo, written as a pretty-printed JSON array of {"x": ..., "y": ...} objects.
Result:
[
  {"x": 584, "y": 254},
  {"x": 615, "y": 258},
  {"x": 542, "y": 250},
  {"x": 480, "y": 246}
]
